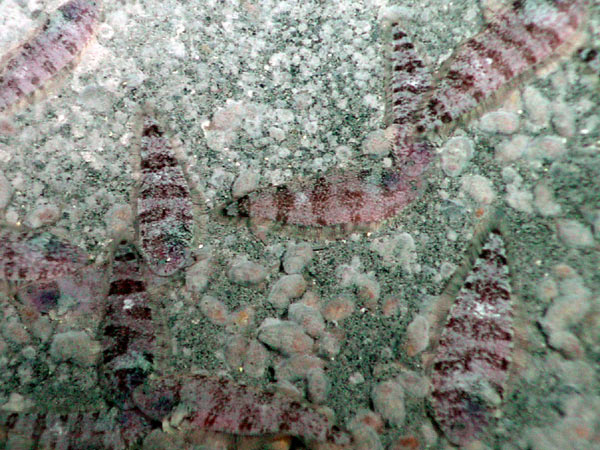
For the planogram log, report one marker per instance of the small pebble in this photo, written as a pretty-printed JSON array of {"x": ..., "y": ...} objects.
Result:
[
  {"x": 77, "y": 346},
  {"x": 277, "y": 133},
  {"x": 590, "y": 329},
  {"x": 447, "y": 269},
  {"x": 207, "y": 439},
  {"x": 574, "y": 234},
  {"x": 14, "y": 331},
  {"x": 566, "y": 311},
  {"x": 547, "y": 289},
  {"x": 247, "y": 273},
  {"x": 519, "y": 199},
  {"x": 317, "y": 384},
  {"x": 296, "y": 367},
  {"x": 564, "y": 271},
  {"x": 329, "y": 345},
  {"x": 343, "y": 153},
  {"x": 260, "y": 443},
  {"x": 365, "y": 438},
  {"x": 546, "y": 148},
  {"x": 228, "y": 117},
  {"x": 286, "y": 288},
  {"x": 394, "y": 249},
  {"x": 388, "y": 400},
  {"x": 42, "y": 328},
  {"x": 415, "y": 385},
  {"x": 576, "y": 429},
  {"x": 5, "y": 191},
  {"x": 198, "y": 275},
  {"x": 544, "y": 201},
  {"x": 408, "y": 254},
  {"x": 246, "y": 182},
  {"x": 537, "y": 106},
  {"x": 310, "y": 298},
  {"x": 563, "y": 119},
  {"x": 257, "y": 357},
  {"x": 499, "y": 122},
  {"x": 241, "y": 319},
  {"x": 513, "y": 149},
  {"x": 377, "y": 144},
  {"x": 119, "y": 220},
  {"x": 570, "y": 307},
  {"x": 308, "y": 317},
  {"x": 369, "y": 418},
  {"x": 288, "y": 389},
  {"x": 356, "y": 378},
  {"x": 479, "y": 188},
  {"x": 285, "y": 336},
  {"x": 105, "y": 31},
  {"x": 96, "y": 98},
  {"x": 16, "y": 403},
  {"x": 429, "y": 434},
  {"x": 491, "y": 8},
  {"x": 45, "y": 214},
  {"x": 296, "y": 257},
  {"x": 394, "y": 306},
  {"x": 417, "y": 336},
  {"x": 406, "y": 442},
  {"x": 456, "y": 153},
  {"x": 566, "y": 343},
  {"x": 161, "y": 440},
  {"x": 367, "y": 289},
  {"x": 214, "y": 310},
  {"x": 235, "y": 351},
  {"x": 338, "y": 309}
]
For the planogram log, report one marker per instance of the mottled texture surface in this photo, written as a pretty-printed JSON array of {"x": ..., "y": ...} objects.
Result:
[
  {"x": 346, "y": 199},
  {"x": 164, "y": 204},
  {"x": 60, "y": 40},
  {"x": 471, "y": 365},
  {"x": 37, "y": 256},
  {"x": 222, "y": 405},
  {"x": 265, "y": 93},
  {"x": 514, "y": 42},
  {"x": 129, "y": 332}
]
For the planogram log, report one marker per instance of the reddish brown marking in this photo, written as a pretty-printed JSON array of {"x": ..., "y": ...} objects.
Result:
[
  {"x": 462, "y": 362},
  {"x": 284, "y": 201},
  {"x": 150, "y": 191},
  {"x": 546, "y": 35},
  {"x": 515, "y": 37},
  {"x": 166, "y": 248},
  {"x": 155, "y": 214},
  {"x": 152, "y": 131},
  {"x": 157, "y": 161},
  {"x": 491, "y": 291},
  {"x": 479, "y": 328},
  {"x": 500, "y": 64},
  {"x": 49, "y": 67},
  {"x": 70, "y": 47},
  {"x": 15, "y": 87},
  {"x": 409, "y": 66},
  {"x": 318, "y": 197},
  {"x": 126, "y": 287},
  {"x": 125, "y": 256}
]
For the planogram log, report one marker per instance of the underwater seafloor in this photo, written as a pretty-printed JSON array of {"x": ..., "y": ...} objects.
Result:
[{"x": 261, "y": 92}]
